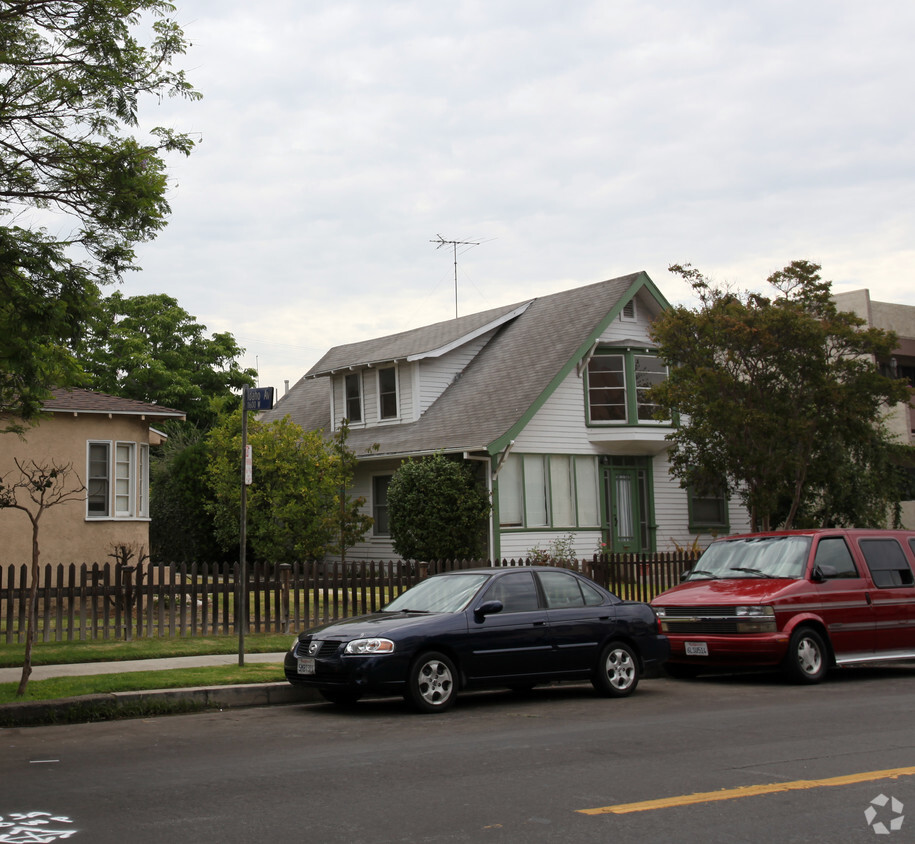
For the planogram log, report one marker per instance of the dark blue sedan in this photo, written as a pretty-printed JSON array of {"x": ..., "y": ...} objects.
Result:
[{"x": 498, "y": 627}]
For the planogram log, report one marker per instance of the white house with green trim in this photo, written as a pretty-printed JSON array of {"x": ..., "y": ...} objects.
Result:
[{"x": 545, "y": 398}]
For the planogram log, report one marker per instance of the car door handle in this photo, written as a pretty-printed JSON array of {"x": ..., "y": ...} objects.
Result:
[
  {"x": 539, "y": 624},
  {"x": 867, "y": 597}
]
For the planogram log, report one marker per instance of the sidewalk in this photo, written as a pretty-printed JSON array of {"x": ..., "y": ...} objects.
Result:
[
  {"x": 145, "y": 703},
  {"x": 85, "y": 669}
]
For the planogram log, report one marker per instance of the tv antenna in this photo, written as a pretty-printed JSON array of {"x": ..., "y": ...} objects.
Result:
[{"x": 454, "y": 245}]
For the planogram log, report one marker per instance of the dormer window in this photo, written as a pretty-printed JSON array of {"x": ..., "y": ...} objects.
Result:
[
  {"x": 387, "y": 393},
  {"x": 354, "y": 397}
]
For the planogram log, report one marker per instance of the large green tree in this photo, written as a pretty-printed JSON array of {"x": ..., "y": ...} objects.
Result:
[
  {"x": 181, "y": 527},
  {"x": 780, "y": 400},
  {"x": 437, "y": 511},
  {"x": 79, "y": 187},
  {"x": 294, "y": 509},
  {"x": 150, "y": 349}
]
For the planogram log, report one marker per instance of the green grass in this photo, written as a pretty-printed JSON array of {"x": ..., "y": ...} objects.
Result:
[
  {"x": 60, "y": 653},
  {"x": 65, "y": 687}
]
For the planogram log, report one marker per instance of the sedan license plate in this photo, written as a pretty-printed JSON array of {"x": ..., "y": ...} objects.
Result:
[
  {"x": 306, "y": 665},
  {"x": 696, "y": 648}
]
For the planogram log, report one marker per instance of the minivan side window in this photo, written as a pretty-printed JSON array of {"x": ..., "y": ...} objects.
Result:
[
  {"x": 832, "y": 551},
  {"x": 886, "y": 560}
]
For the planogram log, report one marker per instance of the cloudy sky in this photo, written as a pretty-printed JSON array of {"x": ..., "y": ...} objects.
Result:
[{"x": 573, "y": 140}]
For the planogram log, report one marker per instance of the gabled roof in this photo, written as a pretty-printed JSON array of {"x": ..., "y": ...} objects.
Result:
[
  {"x": 87, "y": 401},
  {"x": 535, "y": 347}
]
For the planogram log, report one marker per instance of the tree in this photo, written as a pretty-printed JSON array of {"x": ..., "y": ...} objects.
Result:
[
  {"x": 780, "y": 401},
  {"x": 436, "y": 510},
  {"x": 78, "y": 190},
  {"x": 181, "y": 528},
  {"x": 350, "y": 524},
  {"x": 293, "y": 504},
  {"x": 38, "y": 488},
  {"x": 150, "y": 349}
]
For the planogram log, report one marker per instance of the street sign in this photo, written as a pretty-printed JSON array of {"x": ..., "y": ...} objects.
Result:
[{"x": 258, "y": 398}]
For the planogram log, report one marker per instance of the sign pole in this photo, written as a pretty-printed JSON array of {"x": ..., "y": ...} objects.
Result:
[
  {"x": 242, "y": 596},
  {"x": 252, "y": 398}
]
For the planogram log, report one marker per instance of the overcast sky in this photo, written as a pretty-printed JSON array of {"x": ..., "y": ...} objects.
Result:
[{"x": 574, "y": 140}]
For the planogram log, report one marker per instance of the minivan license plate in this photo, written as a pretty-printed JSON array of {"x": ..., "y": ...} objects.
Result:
[
  {"x": 692, "y": 649},
  {"x": 306, "y": 665}
]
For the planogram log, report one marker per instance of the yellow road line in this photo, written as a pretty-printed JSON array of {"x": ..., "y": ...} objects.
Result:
[{"x": 748, "y": 791}]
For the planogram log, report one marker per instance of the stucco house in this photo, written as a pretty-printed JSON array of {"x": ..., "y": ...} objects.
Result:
[
  {"x": 546, "y": 398},
  {"x": 105, "y": 440},
  {"x": 901, "y": 364}
]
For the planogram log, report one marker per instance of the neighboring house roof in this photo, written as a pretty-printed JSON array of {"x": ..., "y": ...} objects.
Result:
[
  {"x": 87, "y": 401},
  {"x": 537, "y": 343}
]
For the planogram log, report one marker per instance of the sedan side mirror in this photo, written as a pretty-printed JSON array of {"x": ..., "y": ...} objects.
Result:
[{"x": 487, "y": 608}]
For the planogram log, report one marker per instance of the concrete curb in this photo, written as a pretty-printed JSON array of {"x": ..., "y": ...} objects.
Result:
[{"x": 157, "y": 702}]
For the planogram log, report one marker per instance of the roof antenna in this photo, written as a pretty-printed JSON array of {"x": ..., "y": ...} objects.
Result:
[{"x": 454, "y": 244}]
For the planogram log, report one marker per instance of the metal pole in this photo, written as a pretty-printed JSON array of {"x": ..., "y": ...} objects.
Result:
[{"x": 242, "y": 590}]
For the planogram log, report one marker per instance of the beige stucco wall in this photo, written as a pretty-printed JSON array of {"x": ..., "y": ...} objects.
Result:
[{"x": 65, "y": 534}]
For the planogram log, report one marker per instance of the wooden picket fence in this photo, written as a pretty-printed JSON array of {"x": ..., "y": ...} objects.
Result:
[{"x": 112, "y": 601}]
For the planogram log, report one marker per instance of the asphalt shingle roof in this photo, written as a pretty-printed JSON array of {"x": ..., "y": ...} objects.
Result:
[
  {"x": 495, "y": 390},
  {"x": 88, "y": 401}
]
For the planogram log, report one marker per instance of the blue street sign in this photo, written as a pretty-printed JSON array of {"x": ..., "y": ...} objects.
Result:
[{"x": 258, "y": 398}]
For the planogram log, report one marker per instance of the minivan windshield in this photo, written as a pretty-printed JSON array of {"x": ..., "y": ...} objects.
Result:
[
  {"x": 442, "y": 593},
  {"x": 757, "y": 556}
]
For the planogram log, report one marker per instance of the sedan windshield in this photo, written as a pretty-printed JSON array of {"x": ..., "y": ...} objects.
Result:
[
  {"x": 764, "y": 556},
  {"x": 442, "y": 593}
]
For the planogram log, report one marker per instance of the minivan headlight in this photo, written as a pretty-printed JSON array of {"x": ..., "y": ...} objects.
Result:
[
  {"x": 755, "y": 619},
  {"x": 755, "y": 611}
]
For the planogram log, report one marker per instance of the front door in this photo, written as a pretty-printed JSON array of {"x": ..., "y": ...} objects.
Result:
[{"x": 627, "y": 510}]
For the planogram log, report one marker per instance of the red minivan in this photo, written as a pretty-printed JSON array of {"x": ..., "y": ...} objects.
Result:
[{"x": 804, "y": 600}]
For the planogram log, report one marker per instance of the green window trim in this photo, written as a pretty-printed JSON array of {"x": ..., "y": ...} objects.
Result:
[
  {"x": 537, "y": 502},
  {"x": 615, "y": 383}
]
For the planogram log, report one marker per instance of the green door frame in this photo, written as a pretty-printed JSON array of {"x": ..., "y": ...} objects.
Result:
[{"x": 628, "y": 504}]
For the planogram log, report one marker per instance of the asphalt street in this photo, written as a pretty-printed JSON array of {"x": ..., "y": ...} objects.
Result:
[{"x": 733, "y": 759}]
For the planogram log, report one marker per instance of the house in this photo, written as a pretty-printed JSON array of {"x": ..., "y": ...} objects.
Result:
[
  {"x": 105, "y": 440},
  {"x": 545, "y": 398},
  {"x": 901, "y": 320}
]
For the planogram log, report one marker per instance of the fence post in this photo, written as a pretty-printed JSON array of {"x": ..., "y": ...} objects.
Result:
[{"x": 285, "y": 573}]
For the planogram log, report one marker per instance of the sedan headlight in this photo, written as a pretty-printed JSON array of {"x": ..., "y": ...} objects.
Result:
[{"x": 368, "y": 647}]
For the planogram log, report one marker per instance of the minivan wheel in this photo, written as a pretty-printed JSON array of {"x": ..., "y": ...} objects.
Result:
[
  {"x": 432, "y": 683},
  {"x": 807, "y": 658},
  {"x": 617, "y": 671}
]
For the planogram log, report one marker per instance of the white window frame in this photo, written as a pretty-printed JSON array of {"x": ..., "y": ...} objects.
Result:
[
  {"x": 357, "y": 377},
  {"x": 124, "y": 486},
  {"x": 143, "y": 482},
  {"x": 125, "y": 480},
  {"x": 98, "y": 479},
  {"x": 377, "y": 506},
  {"x": 396, "y": 415}
]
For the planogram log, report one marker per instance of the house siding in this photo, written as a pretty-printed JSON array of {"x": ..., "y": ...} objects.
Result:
[{"x": 66, "y": 534}]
